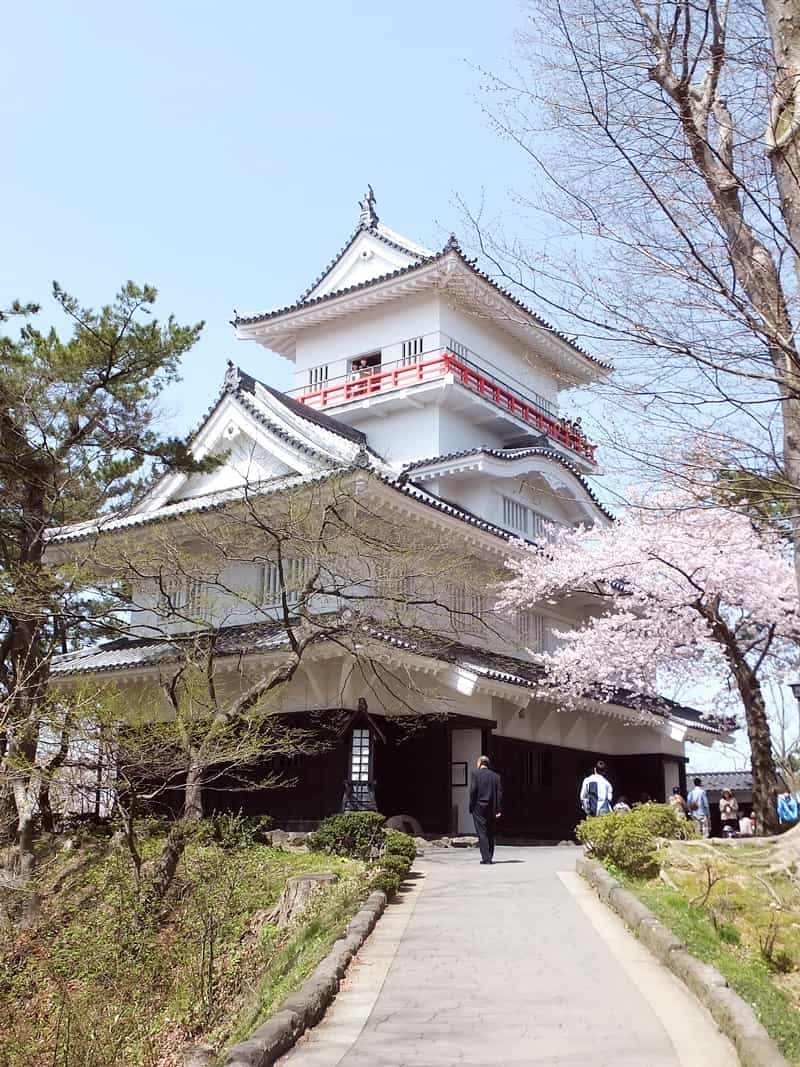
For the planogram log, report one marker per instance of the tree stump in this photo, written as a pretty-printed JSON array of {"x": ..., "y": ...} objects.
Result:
[{"x": 298, "y": 893}]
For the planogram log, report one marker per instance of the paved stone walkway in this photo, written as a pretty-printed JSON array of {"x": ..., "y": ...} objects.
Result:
[{"x": 512, "y": 964}]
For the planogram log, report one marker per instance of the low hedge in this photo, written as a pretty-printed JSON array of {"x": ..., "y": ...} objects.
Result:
[
  {"x": 358, "y": 834},
  {"x": 363, "y": 835},
  {"x": 629, "y": 840}
]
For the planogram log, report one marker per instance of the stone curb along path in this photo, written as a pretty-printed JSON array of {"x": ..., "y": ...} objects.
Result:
[
  {"x": 734, "y": 1016},
  {"x": 305, "y": 1008}
]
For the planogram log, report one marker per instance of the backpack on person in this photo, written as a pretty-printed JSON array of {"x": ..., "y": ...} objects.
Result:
[{"x": 590, "y": 800}]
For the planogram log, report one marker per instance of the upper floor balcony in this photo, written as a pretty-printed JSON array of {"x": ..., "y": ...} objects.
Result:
[{"x": 372, "y": 375}]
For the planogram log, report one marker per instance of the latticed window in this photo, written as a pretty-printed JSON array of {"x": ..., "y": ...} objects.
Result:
[
  {"x": 532, "y": 630},
  {"x": 524, "y": 520},
  {"x": 318, "y": 375},
  {"x": 412, "y": 349},
  {"x": 469, "y": 608},
  {"x": 296, "y": 572},
  {"x": 361, "y": 763},
  {"x": 186, "y": 597}
]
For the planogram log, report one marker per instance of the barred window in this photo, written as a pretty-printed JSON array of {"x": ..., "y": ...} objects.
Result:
[
  {"x": 296, "y": 572},
  {"x": 532, "y": 630},
  {"x": 524, "y": 520},
  {"x": 412, "y": 350},
  {"x": 187, "y": 597},
  {"x": 318, "y": 375},
  {"x": 469, "y": 608}
]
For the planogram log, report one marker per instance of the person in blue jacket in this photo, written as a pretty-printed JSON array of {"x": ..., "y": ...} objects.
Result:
[{"x": 787, "y": 807}]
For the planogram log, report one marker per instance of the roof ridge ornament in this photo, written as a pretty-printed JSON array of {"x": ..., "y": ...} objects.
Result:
[
  {"x": 368, "y": 216},
  {"x": 452, "y": 244},
  {"x": 233, "y": 377}
]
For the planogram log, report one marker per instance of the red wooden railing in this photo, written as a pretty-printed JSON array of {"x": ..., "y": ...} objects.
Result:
[{"x": 400, "y": 375}]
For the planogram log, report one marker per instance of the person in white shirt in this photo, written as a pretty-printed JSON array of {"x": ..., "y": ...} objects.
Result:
[{"x": 596, "y": 793}]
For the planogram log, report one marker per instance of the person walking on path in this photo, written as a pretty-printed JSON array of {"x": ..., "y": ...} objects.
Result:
[
  {"x": 677, "y": 803},
  {"x": 787, "y": 807},
  {"x": 697, "y": 802},
  {"x": 728, "y": 813},
  {"x": 485, "y": 805},
  {"x": 596, "y": 793}
]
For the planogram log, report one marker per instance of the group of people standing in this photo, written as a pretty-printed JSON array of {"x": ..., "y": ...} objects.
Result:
[
  {"x": 697, "y": 807},
  {"x": 597, "y": 798}
]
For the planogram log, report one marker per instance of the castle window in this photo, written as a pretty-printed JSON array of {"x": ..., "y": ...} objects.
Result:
[
  {"x": 182, "y": 597},
  {"x": 531, "y": 630},
  {"x": 537, "y": 769},
  {"x": 524, "y": 520},
  {"x": 468, "y": 609},
  {"x": 412, "y": 350},
  {"x": 318, "y": 376},
  {"x": 296, "y": 573}
]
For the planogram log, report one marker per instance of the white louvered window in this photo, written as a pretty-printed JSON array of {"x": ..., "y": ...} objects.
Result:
[
  {"x": 318, "y": 376},
  {"x": 524, "y": 520},
  {"x": 195, "y": 603},
  {"x": 469, "y": 609},
  {"x": 532, "y": 630},
  {"x": 184, "y": 597},
  {"x": 168, "y": 595},
  {"x": 412, "y": 350},
  {"x": 296, "y": 573}
]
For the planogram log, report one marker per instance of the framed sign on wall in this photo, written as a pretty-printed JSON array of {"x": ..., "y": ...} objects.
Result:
[{"x": 458, "y": 773}]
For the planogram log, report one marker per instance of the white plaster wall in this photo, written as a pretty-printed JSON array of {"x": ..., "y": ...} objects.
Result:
[
  {"x": 547, "y": 725},
  {"x": 499, "y": 348},
  {"x": 245, "y": 463},
  {"x": 671, "y": 778},
  {"x": 368, "y": 331},
  {"x": 465, "y": 748},
  {"x": 461, "y": 427},
  {"x": 403, "y": 434}
]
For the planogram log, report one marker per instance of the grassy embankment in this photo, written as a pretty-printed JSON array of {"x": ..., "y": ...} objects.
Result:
[
  {"x": 101, "y": 978},
  {"x": 738, "y": 908}
]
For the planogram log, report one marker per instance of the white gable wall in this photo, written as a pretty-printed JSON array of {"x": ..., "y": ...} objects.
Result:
[
  {"x": 367, "y": 258},
  {"x": 245, "y": 463}
]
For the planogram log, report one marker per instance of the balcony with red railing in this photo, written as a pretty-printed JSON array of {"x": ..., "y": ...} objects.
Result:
[{"x": 430, "y": 366}]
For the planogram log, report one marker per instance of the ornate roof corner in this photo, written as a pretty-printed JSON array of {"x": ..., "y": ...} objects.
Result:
[
  {"x": 369, "y": 216},
  {"x": 362, "y": 458},
  {"x": 232, "y": 379},
  {"x": 452, "y": 244}
]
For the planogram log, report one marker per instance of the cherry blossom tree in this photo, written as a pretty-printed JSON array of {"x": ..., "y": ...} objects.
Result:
[{"x": 684, "y": 591}]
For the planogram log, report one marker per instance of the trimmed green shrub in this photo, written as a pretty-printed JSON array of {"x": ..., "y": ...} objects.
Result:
[
  {"x": 661, "y": 821},
  {"x": 358, "y": 834},
  {"x": 398, "y": 865},
  {"x": 386, "y": 881},
  {"x": 400, "y": 844},
  {"x": 233, "y": 830},
  {"x": 629, "y": 840}
]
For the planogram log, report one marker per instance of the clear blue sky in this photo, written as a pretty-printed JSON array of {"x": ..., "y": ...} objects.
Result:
[{"x": 218, "y": 150}]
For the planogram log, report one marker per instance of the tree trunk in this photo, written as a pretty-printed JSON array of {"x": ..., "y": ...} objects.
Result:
[
  {"x": 180, "y": 832},
  {"x": 26, "y": 857},
  {"x": 765, "y": 780},
  {"x": 762, "y": 760},
  {"x": 783, "y": 134}
]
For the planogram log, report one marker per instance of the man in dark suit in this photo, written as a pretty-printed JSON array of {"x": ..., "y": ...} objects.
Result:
[{"x": 485, "y": 806}]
